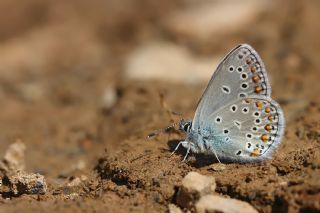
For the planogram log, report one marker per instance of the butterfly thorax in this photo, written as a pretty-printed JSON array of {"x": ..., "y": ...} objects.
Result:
[{"x": 192, "y": 136}]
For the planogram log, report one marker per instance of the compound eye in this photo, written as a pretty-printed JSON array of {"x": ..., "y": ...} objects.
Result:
[{"x": 186, "y": 127}]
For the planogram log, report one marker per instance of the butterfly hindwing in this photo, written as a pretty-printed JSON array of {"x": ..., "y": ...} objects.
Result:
[{"x": 245, "y": 130}]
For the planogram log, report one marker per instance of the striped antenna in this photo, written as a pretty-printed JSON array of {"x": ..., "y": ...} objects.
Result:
[{"x": 171, "y": 128}]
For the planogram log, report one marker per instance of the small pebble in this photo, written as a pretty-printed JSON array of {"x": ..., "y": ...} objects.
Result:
[
  {"x": 194, "y": 186},
  {"x": 218, "y": 167},
  {"x": 109, "y": 98},
  {"x": 215, "y": 203},
  {"x": 174, "y": 209}
]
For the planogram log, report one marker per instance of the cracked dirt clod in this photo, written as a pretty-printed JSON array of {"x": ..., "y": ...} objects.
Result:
[
  {"x": 13, "y": 159},
  {"x": 13, "y": 175},
  {"x": 27, "y": 183},
  {"x": 215, "y": 203},
  {"x": 194, "y": 186}
]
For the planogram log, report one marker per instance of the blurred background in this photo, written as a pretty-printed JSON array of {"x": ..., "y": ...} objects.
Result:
[{"x": 80, "y": 76}]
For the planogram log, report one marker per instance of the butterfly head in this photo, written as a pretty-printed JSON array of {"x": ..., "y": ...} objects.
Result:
[{"x": 185, "y": 125}]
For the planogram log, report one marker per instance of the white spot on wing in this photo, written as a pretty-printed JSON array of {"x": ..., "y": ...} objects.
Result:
[
  {"x": 231, "y": 68},
  {"x": 233, "y": 108},
  {"x": 226, "y": 89},
  {"x": 237, "y": 124},
  {"x": 256, "y": 114},
  {"x": 218, "y": 120},
  {"x": 249, "y": 136},
  {"x": 245, "y": 110},
  {"x": 242, "y": 95}
]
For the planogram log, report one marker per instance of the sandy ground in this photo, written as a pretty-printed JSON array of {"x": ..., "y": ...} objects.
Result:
[{"x": 65, "y": 94}]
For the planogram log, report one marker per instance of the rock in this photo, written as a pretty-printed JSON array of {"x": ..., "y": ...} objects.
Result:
[
  {"x": 168, "y": 62},
  {"x": 79, "y": 165},
  {"x": 13, "y": 159},
  {"x": 194, "y": 186},
  {"x": 74, "y": 182},
  {"x": 174, "y": 209},
  {"x": 109, "y": 98},
  {"x": 218, "y": 167},
  {"x": 27, "y": 183},
  {"x": 215, "y": 203},
  {"x": 32, "y": 91},
  {"x": 210, "y": 19},
  {"x": 71, "y": 196},
  {"x": 73, "y": 186}
]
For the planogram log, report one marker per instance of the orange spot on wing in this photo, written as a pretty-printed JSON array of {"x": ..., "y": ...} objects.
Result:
[
  {"x": 267, "y": 110},
  {"x": 255, "y": 79},
  {"x": 258, "y": 89},
  {"x": 270, "y": 117},
  {"x": 259, "y": 104},
  {"x": 255, "y": 153},
  {"x": 268, "y": 127},
  {"x": 253, "y": 69},
  {"x": 264, "y": 138},
  {"x": 247, "y": 100}
]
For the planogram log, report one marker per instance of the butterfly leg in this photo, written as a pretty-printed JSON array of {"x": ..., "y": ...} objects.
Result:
[
  {"x": 180, "y": 143},
  {"x": 215, "y": 154},
  {"x": 188, "y": 151}
]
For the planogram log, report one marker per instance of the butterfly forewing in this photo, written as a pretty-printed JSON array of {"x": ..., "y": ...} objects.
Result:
[{"x": 240, "y": 74}]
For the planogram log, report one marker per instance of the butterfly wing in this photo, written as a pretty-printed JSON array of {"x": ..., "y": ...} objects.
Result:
[
  {"x": 246, "y": 130},
  {"x": 240, "y": 74}
]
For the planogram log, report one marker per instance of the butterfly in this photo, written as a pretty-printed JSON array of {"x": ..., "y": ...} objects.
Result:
[{"x": 236, "y": 119}]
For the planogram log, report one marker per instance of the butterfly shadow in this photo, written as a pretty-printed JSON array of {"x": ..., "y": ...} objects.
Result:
[
  {"x": 195, "y": 160},
  {"x": 173, "y": 144}
]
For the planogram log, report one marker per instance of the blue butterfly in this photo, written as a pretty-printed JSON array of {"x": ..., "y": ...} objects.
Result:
[{"x": 236, "y": 120}]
